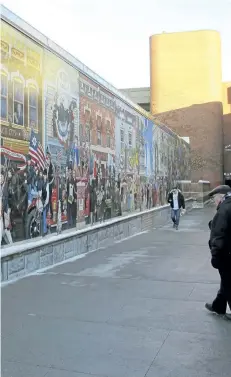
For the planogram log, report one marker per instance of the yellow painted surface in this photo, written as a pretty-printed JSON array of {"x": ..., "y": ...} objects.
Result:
[
  {"x": 21, "y": 89},
  {"x": 226, "y": 100},
  {"x": 185, "y": 69}
]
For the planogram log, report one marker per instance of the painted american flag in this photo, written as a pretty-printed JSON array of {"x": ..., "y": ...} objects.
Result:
[
  {"x": 59, "y": 155},
  {"x": 36, "y": 151}
]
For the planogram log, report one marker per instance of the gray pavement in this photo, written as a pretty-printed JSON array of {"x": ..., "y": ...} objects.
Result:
[{"x": 135, "y": 309}]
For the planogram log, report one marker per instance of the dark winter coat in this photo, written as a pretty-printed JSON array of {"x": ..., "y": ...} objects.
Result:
[
  {"x": 181, "y": 202},
  {"x": 220, "y": 235}
]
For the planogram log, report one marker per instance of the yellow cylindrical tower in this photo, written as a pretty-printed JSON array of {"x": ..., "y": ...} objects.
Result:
[{"x": 185, "y": 69}]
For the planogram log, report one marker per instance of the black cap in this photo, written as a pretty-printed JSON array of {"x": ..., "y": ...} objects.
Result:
[{"x": 222, "y": 189}]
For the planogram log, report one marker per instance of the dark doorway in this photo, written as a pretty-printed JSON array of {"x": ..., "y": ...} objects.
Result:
[{"x": 228, "y": 182}]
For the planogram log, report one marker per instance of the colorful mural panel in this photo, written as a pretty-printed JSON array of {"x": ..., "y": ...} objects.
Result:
[
  {"x": 72, "y": 153},
  {"x": 97, "y": 142},
  {"x": 61, "y": 104},
  {"x": 21, "y": 129},
  {"x": 126, "y": 155}
]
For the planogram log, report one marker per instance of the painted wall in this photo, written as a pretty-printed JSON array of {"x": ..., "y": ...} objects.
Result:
[
  {"x": 21, "y": 89},
  {"x": 72, "y": 153}
]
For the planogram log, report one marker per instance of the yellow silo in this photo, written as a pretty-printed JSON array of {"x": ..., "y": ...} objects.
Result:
[{"x": 185, "y": 69}]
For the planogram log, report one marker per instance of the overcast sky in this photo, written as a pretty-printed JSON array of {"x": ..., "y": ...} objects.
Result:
[{"x": 112, "y": 36}]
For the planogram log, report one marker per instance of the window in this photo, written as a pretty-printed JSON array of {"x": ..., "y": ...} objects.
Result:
[
  {"x": 88, "y": 137},
  {"x": 130, "y": 140},
  {"x": 108, "y": 139},
  {"x": 87, "y": 116},
  {"x": 18, "y": 102},
  {"x": 87, "y": 125},
  {"x": 99, "y": 126},
  {"x": 99, "y": 137},
  {"x": 4, "y": 95},
  {"x": 80, "y": 133},
  {"x": 99, "y": 122},
  {"x": 108, "y": 126},
  {"x": 33, "y": 107}
]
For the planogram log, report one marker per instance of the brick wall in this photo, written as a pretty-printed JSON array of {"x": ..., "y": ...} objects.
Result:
[
  {"x": 203, "y": 125},
  {"x": 227, "y": 125}
]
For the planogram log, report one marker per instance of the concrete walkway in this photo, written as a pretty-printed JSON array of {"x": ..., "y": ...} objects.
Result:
[{"x": 135, "y": 309}]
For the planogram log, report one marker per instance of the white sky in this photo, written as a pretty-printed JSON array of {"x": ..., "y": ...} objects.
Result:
[{"x": 112, "y": 36}]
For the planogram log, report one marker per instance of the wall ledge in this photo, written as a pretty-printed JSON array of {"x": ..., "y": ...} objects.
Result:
[{"x": 18, "y": 261}]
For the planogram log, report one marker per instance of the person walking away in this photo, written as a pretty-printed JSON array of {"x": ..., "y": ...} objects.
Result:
[
  {"x": 220, "y": 247},
  {"x": 176, "y": 200}
]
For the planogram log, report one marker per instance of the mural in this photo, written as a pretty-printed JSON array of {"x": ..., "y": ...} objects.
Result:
[{"x": 73, "y": 154}]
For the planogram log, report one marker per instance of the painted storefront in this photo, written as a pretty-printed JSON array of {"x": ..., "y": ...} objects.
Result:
[
  {"x": 61, "y": 105},
  {"x": 97, "y": 143},
  {"x": 21, "y": 127},
  {"x": 72, "y": 152}
]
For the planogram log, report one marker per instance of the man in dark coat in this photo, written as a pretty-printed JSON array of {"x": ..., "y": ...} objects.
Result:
[
  {"x": 220, "y": 246},
  {"x": 176, "y": 201}
]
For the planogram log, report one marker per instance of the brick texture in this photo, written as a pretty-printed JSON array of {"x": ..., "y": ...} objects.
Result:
[
  {"x": 203, "y": 125},
  {"x": 227, "y": 124}
]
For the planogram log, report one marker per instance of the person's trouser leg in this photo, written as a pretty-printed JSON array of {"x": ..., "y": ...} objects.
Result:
[
  {"x": 50, "y": 202},
  {"x": 44, "y": 221},
  {"x": 69, "y": 215},
  {"x": 224, "y": 293},
  {"x": 173, "y": 216},
  {"x": 92, "y": 217},
  {"x": 177, "y": 216}
]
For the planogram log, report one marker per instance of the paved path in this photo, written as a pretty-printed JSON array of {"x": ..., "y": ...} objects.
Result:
[{"x": 135, "y": 309}]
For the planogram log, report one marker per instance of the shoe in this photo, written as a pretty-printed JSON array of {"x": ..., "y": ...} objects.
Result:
[
  {"x": 228, "y": 316},
  {"x": 209, "y": 307},
  {"x": 176, "y": 227}
]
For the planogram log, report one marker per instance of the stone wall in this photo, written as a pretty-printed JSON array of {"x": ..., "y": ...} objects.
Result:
[{"x": 21, "y": 260}]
